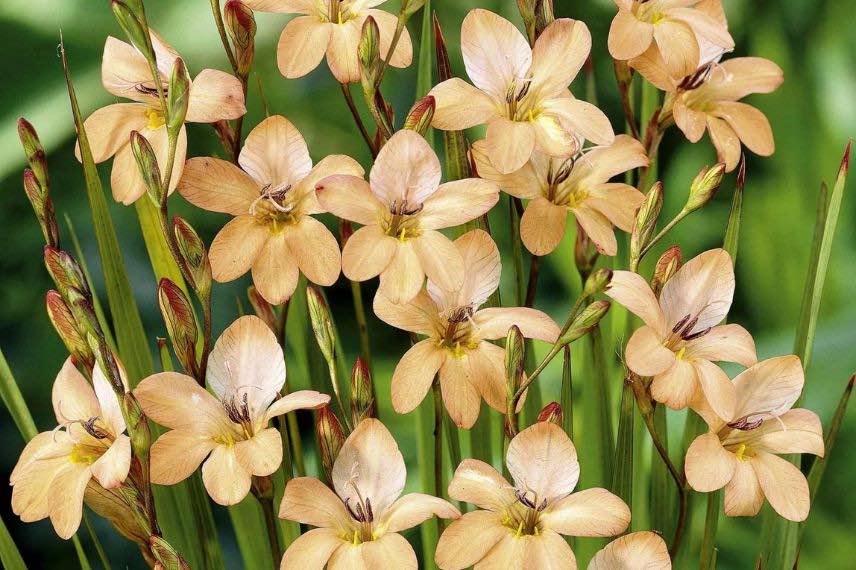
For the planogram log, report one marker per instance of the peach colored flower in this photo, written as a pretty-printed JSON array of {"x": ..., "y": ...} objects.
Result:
[
  {"x": 682, "y": 337},
  {"x": 739, "y": 451},
  {"x": 521, "y": 524},
  {"x": 470, "y": 367},
  {"x": 56, "y": 466},
  {"x": 401, "y": 208},
  {"x": 214, "y": 96},
  {"x": 678, "y": 33},
  {"x": 358, "y": 524},
  {"x": 272, "y": 200},
  {"x": 521, "y": 93},
  {"x": 246, "y": 372},
  {"x": 712, "y": 104},
  {"x": 578, "y": 186},
  {"x": 635, "y": 551},
  {"x": 333, "y": 27}
]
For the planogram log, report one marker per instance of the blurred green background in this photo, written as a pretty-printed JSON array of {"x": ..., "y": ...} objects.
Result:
[{"x": 812, "y": 116}]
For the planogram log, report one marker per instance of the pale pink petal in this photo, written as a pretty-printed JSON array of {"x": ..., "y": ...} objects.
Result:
[
  {"x": 348, "y": 555},
  {"x": 618, "y": 202},
  {"x": 65, "y": 497},
  {"x": 726, "y": 142},
  {"x": 769, "y": 388},
  {"x": 509, "y": 143},
  {"x": 628, "y": 36},
  {"x": 478, "y": 483},
  {"x": 176, "y": 401},
  {"x": 548, "y": 551},
  {"x": 123, "y": 68},
  {"x": 635, "y": 551},
  {"x": 417, "y": 315},
  {"x": 316, "y": 251},
  {"x": 72, "y": 397},
  {"x": 440, "y": 259},
  {"x": 582, "y": 118},
  {"x": 467, "y": 540},
  {"x": 634, "y": 293},
  {"x": 311, "y": 549},
  {"x": 704, "y": 25},
  {"x": 302, "y": 46},
  {"x": 111, "y": 469},
  {"x": 510, "y": 552},
  {"x": 558, "y": 55},
  {"x": 783, "y": 484},
  {"x": 262, "y": 453},
  {"x": 701, "y": 289},
  {"x": 597, "y": 227},
  {"x": 542, "y": 461},
  {"x": 217, "y": 186},
  {"x": 724, "y": 343},
  {"x": 367, "y": 253},
  {"x": 125, "y": 179},
  {"x": 283, "y": 6},
  {"x": 460, "y": 396},
  {"x": 750, "y": 124},
  {"x": 708, "y": 465},
  {"x": 300, "y": 400},
  {"x": 406, "y": 169},
  {"x": 524, "y": 183},
  {"x": 605, "y": 162},
  {"x": 487, "y": 374},
  {"x": 743, "y": 495},
  {"x": 387, "y": 23},
  {"x": 413, "y": 509},
  {"x": 592, "y": 512},
  {"x": 676, "y": 385},
  {"x": 645, "y": 354},
  {"x": 652, "y": 67},
  {"x": 414, "y": 375},
  {"x": 333, "y": 165},
  {"x": 460, "y": 106},
  {"x": 215, "y": 96},
  {"x": 494, "y": 322},
  {"x": 402, "y": 279},
  {"x": 691, "y": 121},
  {"x": 458, "y": 202},
  {"x": 795, "y": 431},
  {"x": 275, "y": 153},
  {"x": 44, "y": 457},
  {"x": 389, "y": 551},
  {"x": 177, "y": 454},
  {"x": 109, "y": 128},
  {"x": 717, "y": 387},
  {"x": 483, "y": 268},
  {"x": 743, "y": 76},
  {"x": 309, "y": 501},
  {"x": 678, "y": 46},
  {"x": 225, "y": 479},
  {"x": 542, "y": 226},
  {"x": 350, "y": 198},
  {"x": 495, "y": 52},
  {"x": 552, "y": 137},
  {"x": 342, "y": 50},
  {"x": 275, "y": 271}
]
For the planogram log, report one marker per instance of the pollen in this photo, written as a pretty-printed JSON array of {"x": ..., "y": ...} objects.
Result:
[
  {"x": 680, "y": 354},
  {"x": 156, "y": 119},
  {"x": 741, "y": 452}
]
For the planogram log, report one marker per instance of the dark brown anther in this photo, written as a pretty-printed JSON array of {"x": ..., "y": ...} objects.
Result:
[
  {"x": 680, "y": 324},
  {"x": 94, "y": 430},
  {"x": 696, "y": 335},
  {"x": 743, "y": 424}
]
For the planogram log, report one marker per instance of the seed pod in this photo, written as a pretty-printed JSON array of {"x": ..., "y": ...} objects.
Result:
[
  {"x": 195, "y": 255},
  {"x": 646, "y": 220},
  {"x": 178, "y": 96},
  {"x": 704, "y": 186},
  {"x": 263, "y": 310},
  {"x": 241, "y": 27},
  {"x": 36, "y": 157},
  {"x": 322, "y": 324},
  {"x": 66, "y": 327},
  {"x": 368, "y": 53},
  {"x": 597, "y": 282},
  {"x": 328, "y": 430},
  {"x": 362, "y": 393},
  {"x": 65, "y": 271},
  {"x": 587, "y": 320},
  {"x": 180, "y": 324},
  {"x": 552, "y": 412},
  {"x": 130, "y": 22},
  {"x": 147, "y": 164},
  {"x": 667, "y": 266},
  {"x": 421, "y": 114}
]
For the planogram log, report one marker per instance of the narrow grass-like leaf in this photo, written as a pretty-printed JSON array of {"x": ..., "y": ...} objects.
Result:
[
  {"x": 731, "y": 242},
  {"x": 457, "y": 162},
  {"x": 9, "y": 555},
  {"x": 662, "y": 498},
  {"x": 425, "y": 62},
  {"x": 711, "y": 522},
  {"x": 14, "y": 401},
  {"x": 602, "y": 407},
  {"x": 567, "y": 395},
  {"x": 96, "y": 542},
  {"x": 622, "y": 474},
  {"x": 251, "y": 533},
  {"x": 163, "y": 263},
  {"x": 423, "y": 422}
]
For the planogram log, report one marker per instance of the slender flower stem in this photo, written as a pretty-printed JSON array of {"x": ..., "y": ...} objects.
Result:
[
  {"x": 532, "y": 286},
  {"x": 711, "y": 522},
  {"x": 626, "y": 103},
  {"x": 567, "y": 397},
  {"x": 400, "y": 26},
  {"x": 515, "y": 210},
  {"x": 272, "y": 529},
  {"x": 221, "y": 30},
  {"x": 362, "y": 325},
  {"x": 438, "y": 439},
  {"x": 349, "y": 99}
]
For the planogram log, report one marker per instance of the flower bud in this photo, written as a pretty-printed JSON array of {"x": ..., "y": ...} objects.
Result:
[
  {"x": 362, "y": 392},
  {"x": 322, "y": 324},
  {"x": 587, "y": 320},
  {"x": 704, "y": 186},
  {"x": 147, "y": 164},
  {"x": 178, "y": 96},
  {"x": 667, "y": 266},
  {"x": 597, "y": 282},
  {"x": 180, "y": 324},
  {"x": 166, "y": 555},
  {"x": 543, "y": 15},
  {"x": 138, "y": 428},
  {"x": 66, "y": 327},
  {"x": 263, "y": 310},
  {"x": 444, "y": 67},
  {"x": 368, "y": 53},
  {"x": 241, "y": 27},
  {"x": 194, "y": 254},
  {"x": 65, "y": 271},
  {"x": 106, "y": 360},
  {"x": 328, "y": 430},
  {"x": 646, "y": 220},
  {"x": 410, "y": 7},
  {"x": 129, "y": 20},
  {"x": 42, "y": 207},
  {"x": 36, "y": 157},
  {"x": 515, "y": 353},
  {"x": 585, "y": 252},
  {"x": 421, "y": 114},
  {"x": 552, "y": 413},
  {"x": 84, "y": 314}
]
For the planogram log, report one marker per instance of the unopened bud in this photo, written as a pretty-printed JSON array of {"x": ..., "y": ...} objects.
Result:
[
  {"x": 178, "y": 96},
  {"x": 552, "y": 413},
  {"x": 66, "y": 327},
  {"x": 515, "y": 353},
  {"x": 322, "y": 324},
  {"x": 704, "y": 186},
  {"x": 138, "y": 428},
  {"x": 147, "y": 164},
  {"x": 368, "y": 53},
  {"x": 597, "y": 282},
  {"x": 362, "y": 393},
  {"x": 263, "y": 310},
  {"x": 328, "y": 430},
  {"x": 667, "y": 266},
  {"x": 585, "y": 252},
  {"x": 421, "y": 114},
  {"x": 410, "y": 7},
  {"x": 36, "y": 157},
  {"x": 129, "y": 20},
  {"x": 65, "y": 271},
  {"x": 587, "y": 320},
  {"x": 646, "y": 220},
  {"x": 84, "y": 314},
  {"x": 444, "y": 67},
  {"x": 543, "y": 15},
  {"x": 195, "y": 255},
  {"x": 166, "y": 555},
  {"x": 180, "y": 324},
  {"x": 106, "y": 360},
  {"x": 241, "y": 26},
  {"x": 42, "y": 207}
]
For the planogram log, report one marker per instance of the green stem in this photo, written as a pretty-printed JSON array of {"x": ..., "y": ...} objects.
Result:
[
  {"x": 362, "y": 326},
  {"x": 272, "y": 529},
  {"x": 423, "y": 422},
  {"x": 224, "y": 39},
  {"x": 532, "y": 286},
  {"x": 349, "y": 99},
  {"x": 711, "y": 522},
  {"x": 567, "y": 397},
  {"x": 438, "y": 439},
  {"x": 514, "y": 210}
]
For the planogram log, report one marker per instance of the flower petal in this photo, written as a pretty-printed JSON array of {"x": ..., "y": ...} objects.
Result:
[
  {"x": 726, "y": 142},
  {"x": 597, "y": 227},
  {"x": 460, "y": 396},
  {"x": 592, "y": 512},
  {"x": 549, "y": 551},
  {"x": 440, "y": 260},
  {"x": 691, "y": 121},
  {"x": 482, "y": 272},
  {"x": 275, "y": 271},
  {"x": 724, "y": 343},
  {"x": 460, "y": 106},
  {"x": 406, "y": 169},
  {"x": 225, "y": 479},
  {"x": 743, "y": 495},
  {"x": 236, "y": 247},
  {"x": 458, "y": 202},
  {"x": 302, "y": 46},
  {"x": 417, "y": 315},
  {"x": 72, "y": 397},
  {"x": 467, "y": 540},
  {"x": 387, "y": 24},
  {"x": 645, "y": 354},
  {"x": 315, "y": 250},
  {"x": 542, "y": 226},
  {"x": 367, "y": 253},
  {"x": 487, "y": 374},
  {"x": 217, "y": 186},
  {"x": 262, "y": 453},
  {"x": 618, "y": 202},
  {"x": 478, "y": 483},
  {"x": 750, "y": 124},
  {"x": 111, "y": 469},
  {"x": 708, "y": 465},
  {"x": 494, "y": 322},
  {"x": 309, "y": 501},
  {"x": 510, "y": 552},
  {"x": 389, "y": 551},
  {"x": 742, "y": 76},
  {"x": 413, "y": 509},
  {"x": 350, "y": 198},
  {"x": 583, "y": 118},
  {"x": 311, "y": 549},
  {"x": 109, "y": 128},
  {"x": 177, "y": 454},
  {"x": 634, "y": 293},
  {"x": 717, "y": 388},
  {"x": 701, "y": 289},
  {"x": 414, "y": 375},
  {"x": 524, "y": 183},
  {"x": 215, "y": 96},
  {"x": 628, "y": 36},
  {"x": 125, "y": 179},
  {"x": 509, "y": 143},
  {"x": 676, "y": 386},
  {"x": 678, "y": 46},
  {"x": 495, "y": 52},
  {"x": 332, "y": 165},
  {"x": 542, "y": 459},
  {"x": 342, "y": 50},
  {"x": 602, "y": 163},
  {"x": 635, "y": 551},
  {"x": 769, "y": 388},
  {"x": 65, "y": 497},
  {"x": 783, "y": 484},
  {"x": 299, "y": 400},
  {"x": 402, "y": 279},
  {"x": 176, "y": 401},
  {"x": 123, "y": 68},
  {"x": 276, "y": 153},
  {"x": 795, "y": 431},
  {"x": 558, "y": 55}
]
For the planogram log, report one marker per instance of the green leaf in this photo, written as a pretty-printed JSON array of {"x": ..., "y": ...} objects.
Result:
[
  {"x": 622, "y": 475},
  {"x": 457, "y": 161},
  {"x": 14, "y": 401},
  {"x": 249, "y": 524},
  {"x": 161, "y": 258},
  {"x": 424, "y": 425},
  {"x": 425, "y": 62},
  {"x": 9, "y": 555},
  {"x": 731, "y": 241},
  {"x": 707, "y": 558}
]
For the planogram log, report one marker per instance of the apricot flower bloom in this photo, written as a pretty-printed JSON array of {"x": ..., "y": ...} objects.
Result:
[
  {"x": 458, "y": 332},
  {"x": 272, "y": 200},
  {"x": 521, "y": 524},
  {"x": 521, "y": 93},
  {"x": 713, "y": 105},
  {"x": 246, "y": 371},
  {"x": 214, "y": 96},
  {"x": 358, "y": 525},
  {"x": 682, "y": 337},
  {"x": 676, "y": 32},
  {"x": 578, "y": 186},
  {"x": 333, "y": 27},
  {"x": 401, "y": 208},
  {"x": 635, "y": 551},
  {"x": 56, "y": 466},
  {"x": 739, "y": 451}
]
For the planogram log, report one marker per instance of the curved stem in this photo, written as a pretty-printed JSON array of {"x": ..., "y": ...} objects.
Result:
[
  {"x": 221, "y": 30},
  {"x": 399, "y": 28},
  {"x": 362, "y": 325},
  {"x": 532, "y": 285},
  {"x": 349, "y": 99},
  {"x": 438, "y": 439},
  {"x": 272, "y": 530}
]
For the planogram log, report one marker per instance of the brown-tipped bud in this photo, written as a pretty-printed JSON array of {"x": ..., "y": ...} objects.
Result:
[
  {"x": 263, "y": 310},
  {"x": 362, "y": 392},
  {"x": 130, "y": 22},
  {"x": 166, "y": 555},
  {"x": 704, "y": 186},
  {"x": 346, "y": 230},
  {"x": 552, "y": 413},
  {"x": 322, "y": 323},
  {"x": 444, "y": 67},
  {"x": 328, "y": 430},
  {"x": 180, "y": 324},
  {"x": 195, "y": 255},
  {"x": 66, "y": 327},
  {"x": 241, "y": 27},
  {"x": 421, "y": 114},
  {"x": 178, "y": 96},
  {"x": 646, "y": 220},
  {"x": 587, "y": 320},
  {"x": 147, "y": 164},
  {"x": 42, "y": 207},
  {"x": 106, "y": 360},
  {"x": 667, "y": 266},
  {"x": 597, "y": 282},
  {"x": 527, "y": 11},
  {"x": 138, "y": 429},
  {"x": 585, "y": 252},
  {"x": 36, "y": 157},
  {"x": 368, "y": 53},
  {"x": 543, "y": 15},
  {"x": 65, "y": 271},
  {"x": 410, "y": 7},
  {"x": 84, "y": 314},
  {"x": 515, "y": 353}
]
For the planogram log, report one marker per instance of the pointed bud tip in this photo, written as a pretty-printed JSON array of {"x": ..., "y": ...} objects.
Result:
[
  {"x": 552, "y": 413},
  {"x": 845, "y": 161}
]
